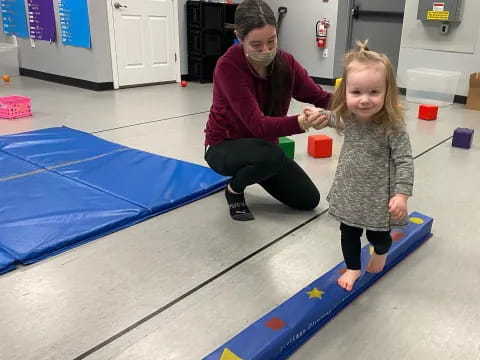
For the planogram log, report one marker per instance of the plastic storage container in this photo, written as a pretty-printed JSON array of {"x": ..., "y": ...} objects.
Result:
[
  {"x": 14, "y": 107},
  {"x": 9, "y": 60},
  {"x": 431, "y": 86}
]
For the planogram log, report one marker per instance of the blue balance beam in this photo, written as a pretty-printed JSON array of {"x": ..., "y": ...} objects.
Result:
[{"x": 282, "y": 331}]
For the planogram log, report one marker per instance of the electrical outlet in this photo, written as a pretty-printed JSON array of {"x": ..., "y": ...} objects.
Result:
[{"x": 325, "y": 53}]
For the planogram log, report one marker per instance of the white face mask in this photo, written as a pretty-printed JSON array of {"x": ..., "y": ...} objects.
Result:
[{"x": 262, "y": 58}]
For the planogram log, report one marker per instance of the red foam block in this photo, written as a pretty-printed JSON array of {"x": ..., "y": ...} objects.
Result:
[
  {"x": 320, "y": 146},
  {"x": 427, "y": 112}
]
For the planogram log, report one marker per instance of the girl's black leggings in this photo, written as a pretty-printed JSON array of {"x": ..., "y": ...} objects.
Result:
[{"x": 351, "y": 245}]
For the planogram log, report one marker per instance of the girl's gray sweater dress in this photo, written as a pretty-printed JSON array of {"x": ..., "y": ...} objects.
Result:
[{"x": 372, "y": 168}]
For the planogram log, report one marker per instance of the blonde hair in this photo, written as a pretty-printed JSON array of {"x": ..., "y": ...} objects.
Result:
[{"x": 391, "y": 116}]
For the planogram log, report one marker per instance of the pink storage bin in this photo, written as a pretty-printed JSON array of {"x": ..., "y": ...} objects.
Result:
[{"x": 13, "y": 107}]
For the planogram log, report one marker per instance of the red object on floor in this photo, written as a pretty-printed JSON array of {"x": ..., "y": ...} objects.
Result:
[
  {"x": 427, "y": 112},
  {"x": 183, "y": 83},
  {"x": 320, "y": 146}
]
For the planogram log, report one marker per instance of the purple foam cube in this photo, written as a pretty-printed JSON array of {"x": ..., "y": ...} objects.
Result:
[{"x": 462, "y": 137}]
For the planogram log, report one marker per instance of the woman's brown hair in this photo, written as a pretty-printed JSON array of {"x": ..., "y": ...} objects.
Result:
[{"x": 255, "y": 14}]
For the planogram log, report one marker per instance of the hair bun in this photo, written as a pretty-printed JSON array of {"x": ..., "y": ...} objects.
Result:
[{"x": 362, "y": 46}]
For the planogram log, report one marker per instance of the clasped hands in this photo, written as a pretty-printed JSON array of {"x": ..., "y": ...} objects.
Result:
[{"x": 313, "y": 117}]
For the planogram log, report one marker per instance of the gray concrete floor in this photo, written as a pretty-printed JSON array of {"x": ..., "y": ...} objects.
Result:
[{"x": 179, "y": 285}]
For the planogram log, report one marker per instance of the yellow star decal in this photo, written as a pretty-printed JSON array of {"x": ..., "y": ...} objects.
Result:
[{"x": 315, "y": 293}]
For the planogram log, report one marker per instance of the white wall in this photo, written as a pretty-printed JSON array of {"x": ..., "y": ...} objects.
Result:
[
  {"x": 86, "y": 64},
  {"x": 95, "y": 64},
  {"x": 297, "y": 37},
  {"x": 341, "y": 36},
  {"x": 418, "y": 42},
  {"x": 182, "y": 29},
  {"x": 297, "y": 34}
]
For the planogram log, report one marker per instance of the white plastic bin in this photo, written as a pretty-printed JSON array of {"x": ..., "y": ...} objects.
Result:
[
  {"x": 9, "y": 60},
  {"x": 431, "y": 86}
]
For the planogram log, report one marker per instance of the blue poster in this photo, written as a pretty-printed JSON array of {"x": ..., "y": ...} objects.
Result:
[
  {"x": 74, "y": 22},
  {"x": 14, "y": 18}
]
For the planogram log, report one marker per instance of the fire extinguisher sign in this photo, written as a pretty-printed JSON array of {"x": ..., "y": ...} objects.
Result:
[{"x": 438, "y": 6}]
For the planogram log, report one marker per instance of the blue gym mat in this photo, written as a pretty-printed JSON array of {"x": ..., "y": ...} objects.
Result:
[
  {"x": 12, "y": 166},
  {"x": 56, "y": 146},
  {"x": 7, "y": 262},
  {"x": 61, "y": 187},
  {"x": 283, "y": 330},
  {"x": 45, "y": 213},
  {"x": 165, "y": 183}
]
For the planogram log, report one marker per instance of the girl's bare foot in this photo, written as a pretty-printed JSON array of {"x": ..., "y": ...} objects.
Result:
[
  {"x": 347, "y": 280},
  {"x": 376, "y": 263}
]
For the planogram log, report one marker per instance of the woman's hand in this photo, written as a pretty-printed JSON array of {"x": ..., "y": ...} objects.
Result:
[{"x": 302, "y": 122}]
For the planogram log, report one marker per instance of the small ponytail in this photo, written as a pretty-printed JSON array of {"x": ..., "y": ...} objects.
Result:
[{"x": 362, "y": 46}]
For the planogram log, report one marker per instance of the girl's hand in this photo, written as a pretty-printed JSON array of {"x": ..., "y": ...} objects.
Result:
[
  {"x": 317, "y": 117},
  {"x": 398, "y": 206}
]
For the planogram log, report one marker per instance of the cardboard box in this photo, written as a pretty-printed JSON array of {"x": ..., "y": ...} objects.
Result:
[{"x": 473, "y": 100}]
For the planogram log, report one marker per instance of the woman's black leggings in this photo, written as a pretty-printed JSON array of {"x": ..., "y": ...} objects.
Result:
[
  {"x": 256, "y": 161},
  {"x": 351, "y": 245}
]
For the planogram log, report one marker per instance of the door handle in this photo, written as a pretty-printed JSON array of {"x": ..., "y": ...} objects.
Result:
[
  {"x": 355, "y": 12},
  {"x": 117, "y": 5}
]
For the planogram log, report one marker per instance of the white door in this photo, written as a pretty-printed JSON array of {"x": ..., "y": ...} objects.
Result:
[{"x": 144, "y": 41}]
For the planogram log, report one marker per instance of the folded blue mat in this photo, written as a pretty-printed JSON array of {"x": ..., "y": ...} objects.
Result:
[
  {"x": 7, "y": 262},
  {"x": 61, "y": 187},
  {"x": 162, "y": 184},
  {"x": 44, "y": 213},
  {"x": 12, "y": 166},
  {"x": 56, "y": 146}
]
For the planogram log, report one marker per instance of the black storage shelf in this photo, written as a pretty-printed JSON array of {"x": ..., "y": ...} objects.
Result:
[{"x": 210, "y": 32}]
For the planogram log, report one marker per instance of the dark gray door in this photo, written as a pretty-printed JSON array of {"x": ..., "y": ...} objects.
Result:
[{"x": 379, "y": 21}]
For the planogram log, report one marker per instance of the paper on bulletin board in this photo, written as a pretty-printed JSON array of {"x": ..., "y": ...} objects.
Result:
[
  {"x": 74, "y": 23},
  {"x": 41, "y": 18},
  {"x": 14, "y": 18}
]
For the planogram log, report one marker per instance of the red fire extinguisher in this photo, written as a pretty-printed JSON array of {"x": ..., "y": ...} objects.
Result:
[{"x": 321, "y": 32}]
